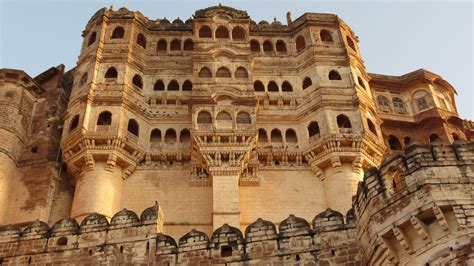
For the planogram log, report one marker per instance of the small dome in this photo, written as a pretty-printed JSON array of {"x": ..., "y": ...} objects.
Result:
[
  {"x": 38, "y": 229},
  {"x": 150, "y": 214},
  {"x": 260, "y": 226},
  {"x": 276, "y": 23},
  {"x": 94, "y": 219},
  {"x": 350, "y": 216},
  {"x": 124, "y": 217},
  {"x": 328, "y": 220},
  {"x": 178, "y": 21},
  {"x": 193, "y": 237},
  {"x": 164, "y": 21},
  {"x": 264, "y": 23},
  {"x": 65, "y": 226},
  {"x": 10, "y": 233},
  {"x": 225, "y": 234},
  {"x": 189, "y": 21},
  {"x": 293, "y": 225},
  {"x": 165, "y": 241}
]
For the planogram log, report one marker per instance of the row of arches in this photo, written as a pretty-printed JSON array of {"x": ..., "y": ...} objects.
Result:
[
  {"x": 224, "y": 72},
  {"x": 276, "y": 136},
  {"x": 137, "y": 81},
  {"x": 286, "y": 86},
  {"x": 205, "y": 117},
  {"x": 169, "y": 137},
  {"x": 221, "y": 32}
]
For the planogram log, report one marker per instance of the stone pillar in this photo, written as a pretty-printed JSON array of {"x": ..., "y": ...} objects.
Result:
[
  {"x": 98, "y": 190},
  {"x": 225, "y": 201},
  {"x": 7, "y": 172},
  {"x": 340, "y": 184}
]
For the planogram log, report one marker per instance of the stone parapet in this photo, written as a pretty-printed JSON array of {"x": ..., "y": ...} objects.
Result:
[{"x": 130, "y": 239}]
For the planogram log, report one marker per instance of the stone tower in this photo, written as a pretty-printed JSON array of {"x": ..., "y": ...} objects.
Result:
[{"x": 226, "y": 80}]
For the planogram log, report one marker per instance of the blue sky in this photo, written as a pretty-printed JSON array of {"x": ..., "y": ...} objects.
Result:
[{"x": 396, "y": 37}]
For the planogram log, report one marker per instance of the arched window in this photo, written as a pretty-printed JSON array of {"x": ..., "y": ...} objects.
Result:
[
  {"x": 325, "y": 36},
  {"x": 133, "y": 127},
  {"x": 394, "y": 143},
  {"x": 243, "y": 118},
  {"x": 343, "y": 121},
  {"x": 371, "y": 126},
  {"x": 92, "y": 38},
  {"x": 170, "y": 136},
  {"x": 187, "y": 85},
  {"x": 83, "y": 79},
  {"x": 222, "y": 32},
  {"x": 455, "y": 136},
  {"x": 223, "y": 72},
  {"x": 398, "y": 105},
  {"x": 281, "y": 47},
  {"x": 275, "y": 136},
  {"x": 137, "y": 81},
  {"x": 205, "y": 73},
  {"x": 188, "y": 45},
  {"x": 262, "y": 136},
  {"x": 383, "y": 103},
  {"x": 185, "y": 136},
  {"x": 361, "y": 82},
  {"x": 434, "y": 137},
  {"x": 241, "y": 73},
  {"x": 74, "y": 123},
  {"x": 118, "y": 33},
  {"x": 254, "y": 46},
  {"x": 313, "y": 129},
  {"x": 175, "y": 45},
  {"x": 155, "y": 136},
  {"x": 351, "y": 44},
  {"x": 162, "y": 46},
  {"x": 267, "y": 46},
  {"x": 159, "y": 85},
  {"x": 223, "y": 116},
  {"x": 238, "y": 33},
  {"x": 272, "y": 86},
  {"x": 204, "y": 117},
  {"x": 105, "y": 119},
  {"x": 334, "y": 75},
  {"x": 307, "y": 82},
  {"x": 205, "y": 32},
  {"x": 420, "y": 100},
  {"x": 258, "y": 86},
  {"x": 173, "y": 85},
  {"x": 300, "y": 43},
  {"x": 286, "y": 86},
  {"x": 141, "y": 40},
  {"x": 111, "y": 73},
  {"x": 290, "y": 136},
  {"x": 407, "y": 140}
]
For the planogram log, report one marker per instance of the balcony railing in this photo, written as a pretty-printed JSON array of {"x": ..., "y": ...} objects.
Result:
[
  {"x": 345, "y": 130},
  {"x": 102, "y": 128}
]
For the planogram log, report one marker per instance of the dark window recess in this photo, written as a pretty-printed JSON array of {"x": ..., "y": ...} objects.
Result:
[
  {"x": 62, "y": 241},
  {"x": 34, "y": 150},
  {"x": 226, "y": 251}
]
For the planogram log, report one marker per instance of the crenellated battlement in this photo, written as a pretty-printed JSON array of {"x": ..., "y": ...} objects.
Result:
[{"x": 132, "y": 239}]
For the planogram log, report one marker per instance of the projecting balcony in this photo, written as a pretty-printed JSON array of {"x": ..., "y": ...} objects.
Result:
[
  {"x": 103, "y": 128},
  {"x": 314, "y": 138},
  {"x": 345, "y": 130},
  {"x": 132, "y": 137}
]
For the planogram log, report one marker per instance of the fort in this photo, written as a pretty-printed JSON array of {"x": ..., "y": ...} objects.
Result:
[{"x": 253, "y": 143}]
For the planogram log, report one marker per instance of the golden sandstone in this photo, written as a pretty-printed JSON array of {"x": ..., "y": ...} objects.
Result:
[{"x": 261, "y": 144}]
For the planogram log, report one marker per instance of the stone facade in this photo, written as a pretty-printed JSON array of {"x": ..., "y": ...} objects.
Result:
[{"x": 231, "y": 126}]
